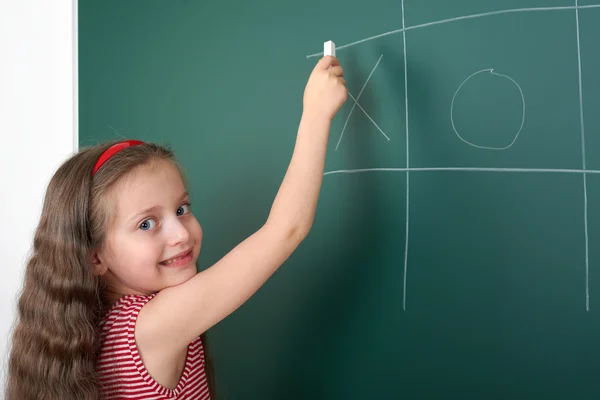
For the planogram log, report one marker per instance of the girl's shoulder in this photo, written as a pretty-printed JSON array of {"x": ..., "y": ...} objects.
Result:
[{"x": 126, "y": 306}]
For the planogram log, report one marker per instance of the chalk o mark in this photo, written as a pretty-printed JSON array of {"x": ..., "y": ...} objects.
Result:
[{"x": 491, "y": 71}]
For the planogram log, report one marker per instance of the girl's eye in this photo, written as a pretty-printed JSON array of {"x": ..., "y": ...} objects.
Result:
[
  {"x": 184, "y": 209},
  {"x": 147, "y": 224}
]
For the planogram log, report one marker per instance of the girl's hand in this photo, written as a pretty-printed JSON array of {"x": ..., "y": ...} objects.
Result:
[{"x": 325, "y": 90}]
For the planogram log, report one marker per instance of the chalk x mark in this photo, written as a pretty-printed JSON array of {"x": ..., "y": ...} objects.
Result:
[
  {"x": 491, "y": 71},
  {"x": 359, "y": 106},
  {"x": 368, "y": 116}
]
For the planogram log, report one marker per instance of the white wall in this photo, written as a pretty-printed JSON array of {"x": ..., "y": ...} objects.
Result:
[{"x": 38, "y": 112}]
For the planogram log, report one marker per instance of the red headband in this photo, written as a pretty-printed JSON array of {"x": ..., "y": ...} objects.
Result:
[{"x": 112, "y": 150}]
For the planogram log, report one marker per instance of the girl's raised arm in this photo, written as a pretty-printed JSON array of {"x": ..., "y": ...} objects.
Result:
[{"x": 179, "y": 314}]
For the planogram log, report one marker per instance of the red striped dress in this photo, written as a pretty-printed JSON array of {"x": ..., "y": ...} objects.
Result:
[{"x": 121, "y": 372}]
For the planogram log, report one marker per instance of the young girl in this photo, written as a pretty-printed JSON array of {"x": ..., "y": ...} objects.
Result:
[{"x": 112, "y": 304}]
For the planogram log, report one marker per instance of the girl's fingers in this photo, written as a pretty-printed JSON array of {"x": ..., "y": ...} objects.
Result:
[{"x": 337, "y": 71}]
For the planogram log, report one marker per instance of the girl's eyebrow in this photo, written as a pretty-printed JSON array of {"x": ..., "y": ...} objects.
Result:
[
  {"x": 184, "y": 195},
  {"x": 145, "y": 211}
]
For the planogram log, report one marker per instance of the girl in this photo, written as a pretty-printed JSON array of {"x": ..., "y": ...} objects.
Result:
[{"x": 112, "y": 305}]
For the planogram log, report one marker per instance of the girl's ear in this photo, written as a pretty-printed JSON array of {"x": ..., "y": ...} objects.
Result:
[{"x": 99, "y": 268}]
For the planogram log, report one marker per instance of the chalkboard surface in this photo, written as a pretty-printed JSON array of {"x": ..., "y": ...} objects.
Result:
[{"x": 455, "y": 252}]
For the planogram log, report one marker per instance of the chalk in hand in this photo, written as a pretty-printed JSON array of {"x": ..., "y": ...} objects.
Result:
[{"x": 329, "y": 48}]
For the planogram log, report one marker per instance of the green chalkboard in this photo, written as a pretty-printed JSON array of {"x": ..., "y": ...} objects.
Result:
[{"x": 456, "y": 248}]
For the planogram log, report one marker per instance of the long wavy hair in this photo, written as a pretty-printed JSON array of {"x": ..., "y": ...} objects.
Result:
[{"x": 55, "y": 342}]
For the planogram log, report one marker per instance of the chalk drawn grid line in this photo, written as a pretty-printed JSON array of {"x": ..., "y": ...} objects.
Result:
[
  {"x": 456, "y": 19},
  {"x": 408, "y": 169}
]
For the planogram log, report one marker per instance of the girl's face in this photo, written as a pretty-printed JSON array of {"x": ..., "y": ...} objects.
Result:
[{"x": 153, "y": 240}]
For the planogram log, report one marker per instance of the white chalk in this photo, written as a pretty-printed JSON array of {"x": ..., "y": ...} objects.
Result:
[{"x": 329, "y": 48}]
